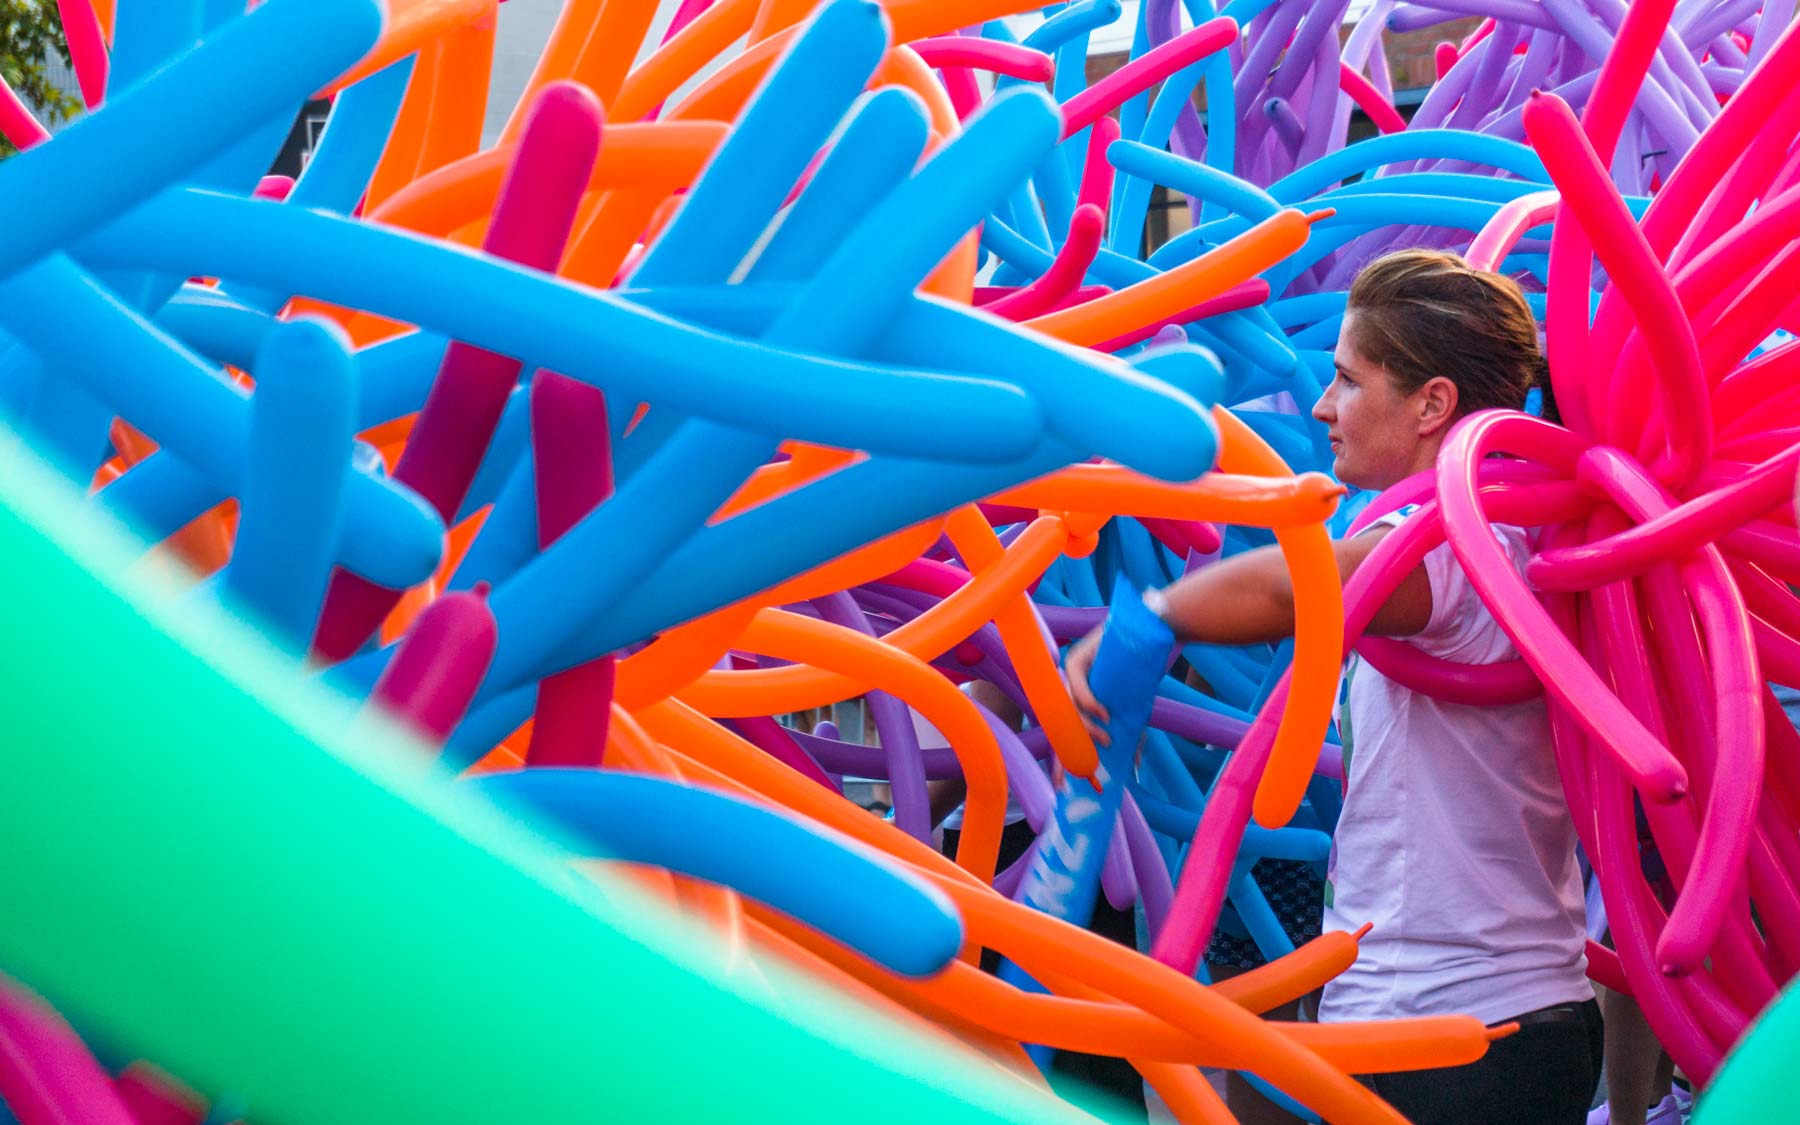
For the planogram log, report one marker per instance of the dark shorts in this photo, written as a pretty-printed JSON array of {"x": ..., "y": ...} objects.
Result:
[
  {"x": 1296, "y": 894},
  {"x": 1546, "y": 1073}
]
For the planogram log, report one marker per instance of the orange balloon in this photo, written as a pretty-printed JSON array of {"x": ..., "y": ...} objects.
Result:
[
  {"x": 611, "y": 46},
  {"x": 855, "y": 568},
  {"x": 903, "y": 67},
  {"x": 725, "y": 93},
  {"x": 1288, "y": 978},
  {"x": 723, "y": 96},
  {"x": 459, "y": 100},
  {"x": 399, "y": 162},
  {"x": 1242, "y": 1041},
  {"x": 808, "y": 462},
  {"x": 1052, "y": 951},
  {"x": 764, "y": 691},
  {"x": 363, "y": 328},
  {"x": 714, "y": 756},
  {"x": 203, "y": 544},
  {"x": 501, "y": 759},
  {"x": 680, "y": 656},
  {"x": 788, "y": 635},
  {"x": 1103, "y": 1026},
  {"x": 557, "y": 60},
  {"x": 1034, "y": 662},
  {"x": 598, "y": 250},
  {"x": 921, "y": 19},
  {"x": 954, "y": 278},
  {"x": 1170, "y": 292},
  {"x": 664, "y": 156},
  {"x": 775, "y": 16},
  {"x": 710, "y": 34},
  {"x": 1101, "y": 491},
  {"x": 413, "y": 26},
  {"x": 1318, "y": 634}
]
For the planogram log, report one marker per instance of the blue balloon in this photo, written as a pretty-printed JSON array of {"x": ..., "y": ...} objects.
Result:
[
  {"x": 390, "y": 534},
  {"x": 833, "y": 884},
  {"x": 291, "y": 506}
]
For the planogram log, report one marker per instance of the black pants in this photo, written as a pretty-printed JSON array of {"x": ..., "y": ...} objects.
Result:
[{"x": 1545, "y": 1074}]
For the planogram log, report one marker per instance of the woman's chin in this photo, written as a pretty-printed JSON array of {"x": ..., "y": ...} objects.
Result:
[{"x": 1349, "y": 474}]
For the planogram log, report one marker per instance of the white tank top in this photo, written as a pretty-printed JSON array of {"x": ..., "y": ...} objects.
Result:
[{"x": 1455, "y": 839}]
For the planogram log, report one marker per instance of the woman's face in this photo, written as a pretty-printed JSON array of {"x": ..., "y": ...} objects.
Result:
[{"x": 1379, "y": 435}]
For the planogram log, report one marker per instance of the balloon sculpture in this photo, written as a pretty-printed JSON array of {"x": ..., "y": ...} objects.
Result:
[{"x": 506, "y": 500}]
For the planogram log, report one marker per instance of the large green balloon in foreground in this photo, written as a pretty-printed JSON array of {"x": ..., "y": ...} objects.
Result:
[
  {"x": 1757, "y": 1081},
  {"x": 229, "y": 871}
]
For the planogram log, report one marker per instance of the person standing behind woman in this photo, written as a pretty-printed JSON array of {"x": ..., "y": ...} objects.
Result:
[{"x": 1455, "y": 838}]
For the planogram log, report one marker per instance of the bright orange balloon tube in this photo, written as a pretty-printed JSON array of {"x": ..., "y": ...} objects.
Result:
[
  {"x": 1318, "y": 634},
  {"x": 1258, "y": 501},
  {"x": 663, "y": 156},
  {"x": 715, "y": 756},
  {"x": 1170, "y": 292},
  {"x": 611, "y": 46},
  {"x": 1034, "y": 662},
  {"x": 711, "y": 33},
  {"x": 793, "y": 637},
  {"x": 412, "y": 25},
  {"x": 1288, "y": 978},
  {"x": 765, "y": 691},
  {"x": 561, "y": 51},
  {"x": 460, "y": 96},
  {"x": 680, "y": 656},
  {"x": 399, "y": 162},
  {"x": 1037, "y": 941}
]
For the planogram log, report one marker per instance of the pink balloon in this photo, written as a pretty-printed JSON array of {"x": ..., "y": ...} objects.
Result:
[
  {"x": 532, "y": 222},
  {"x": 946, "y": 52},
  {"x": 1668, "y": 536},
  {"x": 440, "y": 663},
  {"x": 572, "y": 458},
  {"x": 1509, "y": 224},
  {"x": 1736, "y": 782},
  {"x": 1146, "y": 71},
  {"x": 47, "y": 1075},
  {"x": 1568, "y": 678},
  {"x": 1595, "y": 205},
  {"x": 1369, "y": 100},
  {"x": 1473, "y": 685},
  {"x": 87, "y": 49},
  {"x": 1055, "y": 285}
]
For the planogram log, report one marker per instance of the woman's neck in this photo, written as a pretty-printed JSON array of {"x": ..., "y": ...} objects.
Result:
[{"x": 1424, "y": 459}]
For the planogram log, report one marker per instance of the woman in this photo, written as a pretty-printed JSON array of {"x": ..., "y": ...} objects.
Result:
[{"x": 1455, "y": 840}]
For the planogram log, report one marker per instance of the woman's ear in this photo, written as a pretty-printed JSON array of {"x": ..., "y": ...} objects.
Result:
[{"x": 1437, "y": 405}]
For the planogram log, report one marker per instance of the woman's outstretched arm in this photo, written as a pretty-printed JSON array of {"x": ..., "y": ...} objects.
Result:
[{"x": 1249, "y": 599}]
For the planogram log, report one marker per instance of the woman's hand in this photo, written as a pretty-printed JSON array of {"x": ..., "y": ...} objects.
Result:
[{"x": 1076, "y": 666}]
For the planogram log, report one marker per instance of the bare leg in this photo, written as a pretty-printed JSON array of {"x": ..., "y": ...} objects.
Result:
[{"x": 1638, "y": 1073}]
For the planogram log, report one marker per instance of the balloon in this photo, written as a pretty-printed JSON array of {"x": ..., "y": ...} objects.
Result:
[
  {"x": 896, "y": 921},
  {"x": 422, "y": 855},
  {"x": 678, "y": 415}
]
